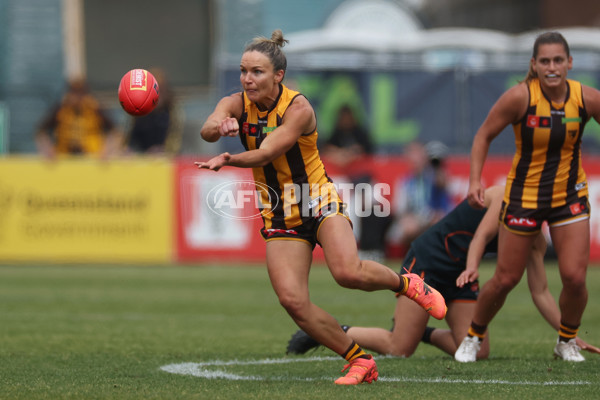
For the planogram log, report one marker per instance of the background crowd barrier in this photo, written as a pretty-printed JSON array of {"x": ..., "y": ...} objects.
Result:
[
  {"x": 152, "y": 210},
  {"x": 85, "y": 210}
]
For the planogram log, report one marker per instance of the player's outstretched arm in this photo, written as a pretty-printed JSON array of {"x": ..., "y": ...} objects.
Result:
[
  {"x": 223, "y": 120},
  {"x": 486, "y": 231}
]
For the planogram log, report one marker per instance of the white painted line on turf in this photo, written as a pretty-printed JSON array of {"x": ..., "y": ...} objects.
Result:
[{"x": 199, "y": 370}]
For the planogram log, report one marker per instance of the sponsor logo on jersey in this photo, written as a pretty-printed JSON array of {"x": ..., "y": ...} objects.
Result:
[
  {"x": 535, "y": 121},
  {"x": 271, "y": 232},
  {"x": 251, "y": 129},
  {"x": 577, "y": 208}
]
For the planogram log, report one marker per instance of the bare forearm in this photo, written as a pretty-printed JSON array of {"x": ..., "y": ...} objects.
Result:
[
  {"x": 475, "y": 254},
  {"x": 223, "y": 120},
  {"x": 250, "y": 159},
  {"x": 538, "y": 284},
  {"x": 210, "y": 130},
  {"x": 546, "y": 305},
  {"x": 542, "y": 298},
  {"x": 479, "y": 152}
]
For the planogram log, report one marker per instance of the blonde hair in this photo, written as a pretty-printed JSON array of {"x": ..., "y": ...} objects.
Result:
[
  {"x": 545, "y": 38},
  {"x": 271, "y": 48}
]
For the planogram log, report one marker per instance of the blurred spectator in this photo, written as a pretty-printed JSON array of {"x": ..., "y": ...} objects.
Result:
[
  {"x": 349, "y": 140},
  {"x": 437, "y": 151},
  {"x": 421, "y": 198},
  {"x": 77, "y": 126},
  {"x": 160, "y": 131},
  {"x": 347, "y": 148}
]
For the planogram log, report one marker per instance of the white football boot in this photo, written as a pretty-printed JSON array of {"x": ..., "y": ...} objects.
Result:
[
  {"x": 467, "y": 351},
  {"x": 568, "y": 351}
]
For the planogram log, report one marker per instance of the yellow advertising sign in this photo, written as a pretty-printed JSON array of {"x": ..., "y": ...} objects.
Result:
[{"x": 86, "y": 210}]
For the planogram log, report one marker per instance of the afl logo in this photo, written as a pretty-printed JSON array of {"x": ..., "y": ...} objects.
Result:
[{"x": 234, "y": 199}]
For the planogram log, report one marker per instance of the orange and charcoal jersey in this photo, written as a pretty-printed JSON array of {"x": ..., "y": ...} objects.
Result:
[
  {"x": 294, "y": 186},
  {"x": 78, "y": 130},
  {"x": 546, "y": 169}
]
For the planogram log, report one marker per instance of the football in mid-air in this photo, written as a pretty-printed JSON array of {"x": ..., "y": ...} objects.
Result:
[{"x": 138, "y": 92}]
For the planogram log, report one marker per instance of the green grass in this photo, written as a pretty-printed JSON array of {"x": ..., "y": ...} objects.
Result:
[{"x": 97, "y": 332}]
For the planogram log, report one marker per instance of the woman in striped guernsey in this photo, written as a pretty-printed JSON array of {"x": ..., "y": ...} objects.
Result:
[
  {"x": 546, "y": 183},
  {"x": 447, "y": 256},
  {"x": 277, "y": 126}
]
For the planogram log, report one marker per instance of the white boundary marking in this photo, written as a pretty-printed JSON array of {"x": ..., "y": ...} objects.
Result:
[{"x": 200, "y": 370}]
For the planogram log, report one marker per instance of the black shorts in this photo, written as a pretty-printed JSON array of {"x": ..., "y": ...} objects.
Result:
[
  {"x": 528, "y": 221},
  {"x": 309, "y": 229},
  {"x": 442, "y": 279}
]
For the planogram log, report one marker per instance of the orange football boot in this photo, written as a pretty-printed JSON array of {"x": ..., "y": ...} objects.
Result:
[
  {"x": 425, "y": 296},
  {"x": 361, "y": 370}
]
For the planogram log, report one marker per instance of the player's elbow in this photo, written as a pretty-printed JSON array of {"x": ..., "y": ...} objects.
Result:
[
  {"x": 209, "y": 136},
  {"x": 263, "y": 162}
]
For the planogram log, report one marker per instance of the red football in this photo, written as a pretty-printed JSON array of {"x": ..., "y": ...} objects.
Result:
[{"x": 138, "y": 92}]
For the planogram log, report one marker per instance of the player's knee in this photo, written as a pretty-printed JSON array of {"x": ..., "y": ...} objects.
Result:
[
  {"x": 349, "y": 277},
  {"x": 574, "y": 283},
  {"x": 397, "y": 350},
  {"x": 507, "y": 282},
  {"x": 347, "y": 272},
  {"x": 294, "y": 305}
]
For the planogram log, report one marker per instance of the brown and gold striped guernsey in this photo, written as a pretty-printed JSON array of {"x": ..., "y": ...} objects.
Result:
[
  {"x": 546, "y": 169},
  {"x": 80, "y": 129},
  {"x": 299, "y": 165}
]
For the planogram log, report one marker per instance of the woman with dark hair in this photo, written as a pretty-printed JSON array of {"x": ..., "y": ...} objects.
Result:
[
  {"x": 447, "y": 256},
  {"x": 546, "y": 183}
]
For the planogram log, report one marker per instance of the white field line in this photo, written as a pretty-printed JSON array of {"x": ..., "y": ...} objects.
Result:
[{"x": 199, "y": 370}]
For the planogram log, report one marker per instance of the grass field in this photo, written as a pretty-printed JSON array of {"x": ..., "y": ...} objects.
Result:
[{"x": 218, "y": 332}]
